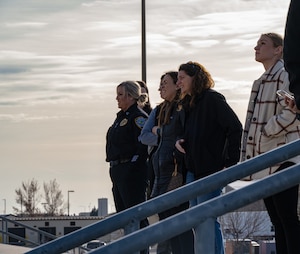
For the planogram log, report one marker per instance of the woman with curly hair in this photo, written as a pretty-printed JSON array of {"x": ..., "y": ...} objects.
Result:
[{"x": 211, "y": 139}]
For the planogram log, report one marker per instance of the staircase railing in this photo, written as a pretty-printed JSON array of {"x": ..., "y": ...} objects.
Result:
[
  {"x": 139, "y": 239},
  {"x": 4, "y": 231}
]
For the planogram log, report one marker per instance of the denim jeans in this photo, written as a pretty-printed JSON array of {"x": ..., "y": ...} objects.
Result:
[{"x": 219, "y": 246}]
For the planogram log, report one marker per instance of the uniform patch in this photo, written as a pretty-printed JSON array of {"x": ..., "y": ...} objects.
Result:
[
  {"x": 123, "y": 122},
  {"x": 140, "y": 121}
]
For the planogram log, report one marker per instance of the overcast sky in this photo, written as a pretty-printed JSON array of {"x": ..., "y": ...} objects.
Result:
[{"x": 60, "y": 62}]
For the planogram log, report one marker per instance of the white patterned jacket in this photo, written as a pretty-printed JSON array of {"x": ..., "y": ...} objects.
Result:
[{"x": 269, "y": 121}]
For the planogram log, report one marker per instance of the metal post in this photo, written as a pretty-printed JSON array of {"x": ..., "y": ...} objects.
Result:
[
  {"x": 144, "y": 41},
  {"x": 69, "y": 201},
  {"x": 44, "y": 204},
  {"x": 4, "y": 206},
  {"x": 21, "y": 204}
]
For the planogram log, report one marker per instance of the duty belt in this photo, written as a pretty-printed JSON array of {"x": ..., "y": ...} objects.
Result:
[{"x": 117, "y": 162}]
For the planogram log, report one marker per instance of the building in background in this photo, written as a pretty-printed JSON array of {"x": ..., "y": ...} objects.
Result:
[{"x": 102, "y": 207}]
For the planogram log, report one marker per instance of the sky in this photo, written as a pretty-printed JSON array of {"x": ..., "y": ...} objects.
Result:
[{"x": 60, "y": 63}]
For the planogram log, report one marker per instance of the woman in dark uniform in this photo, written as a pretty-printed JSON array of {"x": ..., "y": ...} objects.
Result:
[{"x": 126, "y": 155}]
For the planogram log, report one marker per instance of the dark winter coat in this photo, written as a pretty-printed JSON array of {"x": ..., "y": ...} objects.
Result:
[{"x": 212, "y": 135}]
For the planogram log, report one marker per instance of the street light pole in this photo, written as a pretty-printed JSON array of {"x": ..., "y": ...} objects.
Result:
[
  {"x": 69, "y": 201},
  {"x": 4, "y": 205},
  {"x": 144, "y": 41}
]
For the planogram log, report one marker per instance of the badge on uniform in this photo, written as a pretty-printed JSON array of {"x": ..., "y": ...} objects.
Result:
[
  {"x": 123, "y": 122},
  {"x": 140, "y": 121}
]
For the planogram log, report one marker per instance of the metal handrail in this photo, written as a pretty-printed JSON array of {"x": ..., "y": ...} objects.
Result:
[
  {"x": 213, "y": 208},
  {"x": 168, "y": 200},
  {"x": 20, "y": 238},
  {"x": 40, "y": 232}
]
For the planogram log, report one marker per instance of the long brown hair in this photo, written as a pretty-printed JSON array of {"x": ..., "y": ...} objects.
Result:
[
  {"x": 166, "y": 107},
  {"x": 202, "y": 79}
]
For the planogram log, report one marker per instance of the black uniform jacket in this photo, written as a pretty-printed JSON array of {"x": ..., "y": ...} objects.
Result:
[{"x": 122, "y": 137}]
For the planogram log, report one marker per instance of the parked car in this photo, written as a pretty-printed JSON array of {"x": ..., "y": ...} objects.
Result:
[{"x": 91, "y": 245}]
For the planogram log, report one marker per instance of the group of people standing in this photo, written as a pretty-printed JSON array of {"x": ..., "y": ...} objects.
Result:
[{"x": 194, "y": 132}]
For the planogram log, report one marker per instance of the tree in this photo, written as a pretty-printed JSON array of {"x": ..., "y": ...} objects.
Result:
[
  {"x": 28, "y": 198},
  {"x": 54, "y": 203},
  {"x": 240, "y": 226},
  {"x": 243, "y": 225},
  {"x": 94, "y": 212}
]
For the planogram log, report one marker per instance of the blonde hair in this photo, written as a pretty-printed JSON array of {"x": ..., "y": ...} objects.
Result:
[
  {"x": 276, "y": 39},
  {"x": 133, "y": 89}
]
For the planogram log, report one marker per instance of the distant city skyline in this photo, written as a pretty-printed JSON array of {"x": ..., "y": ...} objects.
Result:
[{"x": 60, "y": 63}]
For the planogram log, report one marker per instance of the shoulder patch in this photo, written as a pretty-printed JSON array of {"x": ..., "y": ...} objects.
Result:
[{"x": 140, "y": 121}]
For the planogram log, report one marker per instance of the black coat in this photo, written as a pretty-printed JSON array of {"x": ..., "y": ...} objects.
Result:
[
  {"x": 291, "y": 50},
  {"x": 212, "y": 135},
  {"x": 122, "y": 137}
]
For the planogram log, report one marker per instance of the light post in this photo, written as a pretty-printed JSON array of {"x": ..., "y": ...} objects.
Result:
[
  {"x": 44, "y": 204},
  {"x": 4, "y": 205},
  {"x": 69, "y": 201},
  {"x": 144, "y": 68}
]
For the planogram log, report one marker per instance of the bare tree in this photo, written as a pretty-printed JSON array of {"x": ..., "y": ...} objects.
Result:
[
  {"x": 28, "y": 198},
  {"x": 242, "y": 225},
  {"x": 54, "y": 204}
]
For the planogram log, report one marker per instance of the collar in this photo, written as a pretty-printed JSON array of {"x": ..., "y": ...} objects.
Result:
[
  {"x": 131, "y": 109},
  {"x": 273, "y": 70}
]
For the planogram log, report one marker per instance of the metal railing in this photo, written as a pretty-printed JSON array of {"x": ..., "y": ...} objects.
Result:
[
  {"x": 41, "y": 235},
  {"x": 139, "y": 239}
]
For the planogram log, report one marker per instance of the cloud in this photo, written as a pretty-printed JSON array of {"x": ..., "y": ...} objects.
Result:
[
  {"x": 25, "y": 25},
  {"x": 75, "y": 50},
  {"x": 60, "y": 62},
  {"x": 227, "y": 23},
  {"x": 6, "y": 70},
  {"x": 18, "y": 118}
]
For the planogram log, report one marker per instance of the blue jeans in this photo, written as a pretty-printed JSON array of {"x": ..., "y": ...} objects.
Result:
[{"x": 219, "y": 247}]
